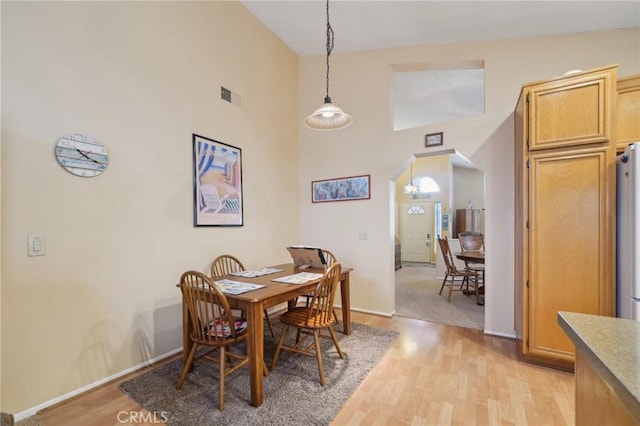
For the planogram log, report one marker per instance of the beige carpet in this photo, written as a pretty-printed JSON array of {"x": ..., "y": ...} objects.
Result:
[{"x": 417, "y": 297}]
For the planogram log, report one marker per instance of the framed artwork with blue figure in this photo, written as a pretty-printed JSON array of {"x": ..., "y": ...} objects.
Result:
[
  {"x": 217, "y": 183},
  {"x": 341, "y": 189}
]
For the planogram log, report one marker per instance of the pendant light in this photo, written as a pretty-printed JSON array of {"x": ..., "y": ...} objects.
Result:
[
  {"x": 329, "y": 116},
  {"x": 411, "y": 188}
]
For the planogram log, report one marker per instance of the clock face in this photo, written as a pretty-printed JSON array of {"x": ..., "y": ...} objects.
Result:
[{"x": 82, "y": 155}]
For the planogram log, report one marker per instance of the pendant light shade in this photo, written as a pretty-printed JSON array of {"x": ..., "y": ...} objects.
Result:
[
  {"x": 329, "y": 116},
  {"x": 411, "y": 188}
]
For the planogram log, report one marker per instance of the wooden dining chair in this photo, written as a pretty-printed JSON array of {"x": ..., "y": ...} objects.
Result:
[
  {"x": 213, "y": 326},
  {"x": 311, "y": 320},
  {"x": 473, "y": 241},
  {"x": 453, "y": 276},
  {"x": 225, "y": 264}
]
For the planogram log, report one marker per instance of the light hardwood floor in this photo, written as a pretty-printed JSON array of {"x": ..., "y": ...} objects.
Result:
[{"x": 432, "y": 375}]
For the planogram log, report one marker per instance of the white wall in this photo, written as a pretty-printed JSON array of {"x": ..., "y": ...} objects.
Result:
[
  {"x": 360, "y": 84},
  {"x": 141, "y": 77}
]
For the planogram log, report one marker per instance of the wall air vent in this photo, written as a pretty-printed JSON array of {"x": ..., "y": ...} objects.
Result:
[
  {"x": 225, "y": 94},
  {"x": 229, "y": 96}
]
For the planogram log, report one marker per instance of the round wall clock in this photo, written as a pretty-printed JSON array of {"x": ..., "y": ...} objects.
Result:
[{"x": 82, "y": 155}]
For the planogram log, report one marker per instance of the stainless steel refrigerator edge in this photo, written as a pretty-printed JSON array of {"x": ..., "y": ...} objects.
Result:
[{"x": 628, "y": 237}]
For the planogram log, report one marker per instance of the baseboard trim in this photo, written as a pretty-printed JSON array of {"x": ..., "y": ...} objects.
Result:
[
  {"x": 34, "y": 410},
  {"x": 500, "y": 334},
  {"x": 367, "y": 311}
]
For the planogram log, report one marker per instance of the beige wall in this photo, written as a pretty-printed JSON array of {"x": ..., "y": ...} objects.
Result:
[
  {"x": 140, "y": 77},
  {"x": 468, "y": 186},
  {"x": 360, "y": 84}
]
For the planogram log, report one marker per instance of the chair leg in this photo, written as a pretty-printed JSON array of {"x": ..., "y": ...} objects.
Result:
[
  {"x": 221, "y": 393},
  {"x": 187, "y": 366},
  {"x": 335, "y": 341},
  {"x": 477, "y": 281},
  {"x": 335, "y": 316},
  {"x": 443, "y": 281},
  {"x": 316, "y": 337},
  {"x": 473, "y": 282},
  {"x": 266, "y": 315},
  {"x": 280, "y": 342},
  {"x": 451, "y": 289}
]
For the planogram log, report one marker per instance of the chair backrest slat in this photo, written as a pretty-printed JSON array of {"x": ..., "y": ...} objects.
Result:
[
  {"x": 321, "y": 312},
  {"x": 209, "y": 310},
  {"x": 448, "y": 257},
  {"x": 225, "y": 264},
  {"x": 329, "y": 258}
]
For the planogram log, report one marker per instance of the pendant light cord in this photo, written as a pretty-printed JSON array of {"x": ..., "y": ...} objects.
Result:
[{"x": 329, "y": 49}]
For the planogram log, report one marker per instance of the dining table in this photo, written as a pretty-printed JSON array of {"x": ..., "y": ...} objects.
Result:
[
  {"x": 254, "y": 302},
  {"x": 474, "y": 256},
  {"x": 471, "y": 256}
]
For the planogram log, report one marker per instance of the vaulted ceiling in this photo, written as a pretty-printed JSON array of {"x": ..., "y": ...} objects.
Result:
[{"x": 365, "y": 25}]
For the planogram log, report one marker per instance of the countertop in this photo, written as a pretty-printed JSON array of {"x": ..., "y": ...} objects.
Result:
[{"x": 612, "y": 346}]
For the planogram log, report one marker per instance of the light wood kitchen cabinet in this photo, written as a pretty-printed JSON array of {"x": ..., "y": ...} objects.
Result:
[
  {"x": 628, "y": 111},
  {"x": 565, "y": 209}
]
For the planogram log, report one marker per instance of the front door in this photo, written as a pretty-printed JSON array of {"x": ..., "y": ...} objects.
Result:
[{"x": 417, "y": 232}]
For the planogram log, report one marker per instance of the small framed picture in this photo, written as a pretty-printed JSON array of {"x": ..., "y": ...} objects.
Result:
[{"x": 433, "y": 139}]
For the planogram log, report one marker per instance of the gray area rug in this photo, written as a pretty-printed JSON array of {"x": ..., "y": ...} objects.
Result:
[
  {"x": 292, "y": 392},
  {"x": 29, "y": 421},
  {"x": 417, "y": 297}
]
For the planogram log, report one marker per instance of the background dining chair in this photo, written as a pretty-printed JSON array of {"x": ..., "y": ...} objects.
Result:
[
  {"x": 453, "y": 276},
  {"x": 311, "y": 320},
  {"x": 225, "y": 264},
  {"x": 212, "y": 325},
  {"x": 473, "y": 241},
  {"x": 330, "y": 259}
]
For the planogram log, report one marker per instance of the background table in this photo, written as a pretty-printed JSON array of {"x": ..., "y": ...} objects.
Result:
[{"x": 474, "y": 257}]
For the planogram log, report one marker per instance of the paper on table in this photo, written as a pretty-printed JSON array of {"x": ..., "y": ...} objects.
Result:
[
  {"x": 299, "y": 278},
  {"x": 256, "y": 273},
  {"x": 236, "y": 287}
]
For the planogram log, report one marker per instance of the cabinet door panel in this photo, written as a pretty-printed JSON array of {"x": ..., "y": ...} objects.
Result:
[
  {"x": 568, "y": 243},
  {"x": 573, "y": 111},
  {"x": 628, "y": 113}
]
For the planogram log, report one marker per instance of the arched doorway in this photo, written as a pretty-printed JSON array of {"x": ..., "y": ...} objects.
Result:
[{"x": 418, "y": 279}]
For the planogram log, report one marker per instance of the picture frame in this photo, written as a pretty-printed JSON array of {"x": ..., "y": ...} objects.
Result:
[
  {"x": 341, "y": 189},
  {"x": 433, "y": 139},
  {"x": 217, "y": 183}
]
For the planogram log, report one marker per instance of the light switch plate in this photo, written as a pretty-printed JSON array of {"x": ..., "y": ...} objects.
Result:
[{"x": 36, "y": 246}]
